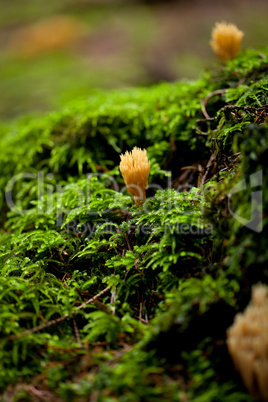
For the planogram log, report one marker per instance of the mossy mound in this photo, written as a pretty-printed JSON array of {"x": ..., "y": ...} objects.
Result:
[{"x": 164, "y": 281}]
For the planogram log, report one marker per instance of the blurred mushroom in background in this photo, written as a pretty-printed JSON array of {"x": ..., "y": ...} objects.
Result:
[{"x": 47, "y": 35}]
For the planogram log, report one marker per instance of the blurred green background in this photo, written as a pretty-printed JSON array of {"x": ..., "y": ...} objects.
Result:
[{"x": 52, "y": 52}]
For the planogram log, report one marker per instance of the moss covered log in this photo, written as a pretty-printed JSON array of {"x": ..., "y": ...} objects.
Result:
[{"x": 104, "y": 300}]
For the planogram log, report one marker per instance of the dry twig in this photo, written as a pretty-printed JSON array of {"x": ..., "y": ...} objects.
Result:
[{"x": 57, "y": 320}]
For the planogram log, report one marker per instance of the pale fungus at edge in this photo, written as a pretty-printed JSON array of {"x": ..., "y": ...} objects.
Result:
[{"x": 247, "y": 341}]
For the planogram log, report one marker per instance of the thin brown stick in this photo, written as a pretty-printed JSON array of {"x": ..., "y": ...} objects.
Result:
[
  {"x": 210, "y": 163},
  {"x": 127, "y": 241},
  {"x": 204, "y": 110},
  {"x": 191, "y": 168},
  {"x": 92, "y": 299},
  {"x": 205, "y": 102},
  {"x": 57, "y": 320},
  {"x": 77, "y": 335}
]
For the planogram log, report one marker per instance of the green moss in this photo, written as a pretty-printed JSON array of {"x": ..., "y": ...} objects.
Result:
[{"x": 178, "y": 268}]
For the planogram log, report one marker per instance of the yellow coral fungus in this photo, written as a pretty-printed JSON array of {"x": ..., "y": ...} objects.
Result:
[
  {"x": 247, "y": 342},
  {"x": 226, "y": 40},
  {"x": 135, "y": 169}
]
